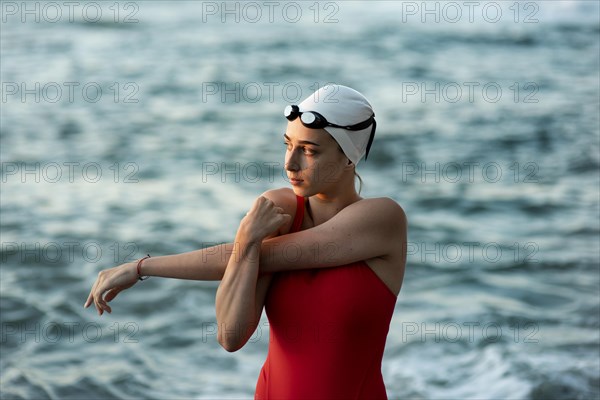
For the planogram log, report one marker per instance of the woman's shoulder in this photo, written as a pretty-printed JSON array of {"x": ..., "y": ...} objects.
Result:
[
  {"x": 383, "y": 212},
  {"x": 382, "y": 205},
  {"x": 282, "y": 197}
]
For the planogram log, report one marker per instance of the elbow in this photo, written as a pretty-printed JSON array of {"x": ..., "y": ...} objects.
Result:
[
  {"x": 230, "y": 344},
  {"x": 231, "y": 348},
  {"x": 231, "y": 339}
]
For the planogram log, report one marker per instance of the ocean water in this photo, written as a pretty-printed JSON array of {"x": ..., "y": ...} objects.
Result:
[{"x": 145, "y": 127}]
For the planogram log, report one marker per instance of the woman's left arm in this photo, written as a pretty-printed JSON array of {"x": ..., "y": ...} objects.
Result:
[{"x": 363, "y": 230}]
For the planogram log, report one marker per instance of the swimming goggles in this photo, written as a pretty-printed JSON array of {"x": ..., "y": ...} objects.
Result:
[{"x": 314, "y": 120}]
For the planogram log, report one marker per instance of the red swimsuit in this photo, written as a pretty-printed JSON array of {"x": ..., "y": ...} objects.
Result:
[{"x": 328, "y": 328}]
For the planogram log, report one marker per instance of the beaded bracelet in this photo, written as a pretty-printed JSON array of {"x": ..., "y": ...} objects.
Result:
[{"x": 139, "y": 269}]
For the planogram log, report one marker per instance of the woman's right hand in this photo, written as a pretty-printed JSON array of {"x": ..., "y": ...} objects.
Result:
[
  {"x": 109, "y": 284},
  {"x": 263, "y": 220}
]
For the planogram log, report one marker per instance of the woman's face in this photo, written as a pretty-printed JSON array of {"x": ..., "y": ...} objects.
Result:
[{"x": 313, "y": 160}]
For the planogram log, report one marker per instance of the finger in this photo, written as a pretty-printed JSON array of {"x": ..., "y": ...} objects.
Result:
[
  {"x": 91, "y": 295},
  {"x": 111, "y": 294},
  {"x": 283, "y": 218},
  {"x": 259, "y": 202},
  {"x": 102, "y": 302},
  {"x": 97, "y": 292},
  {"x": 256, "y": 205},
  {"x": 98, "y": 300},
  {"x": 104, "y": 306},
  {"x": 88, "y": 301},
  {"x": 266, "y": 203},
  {"x": 97, "y": 304},
  {"x": 107, "y": 308}
]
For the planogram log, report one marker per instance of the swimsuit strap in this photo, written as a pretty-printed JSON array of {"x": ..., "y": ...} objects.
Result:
[{"x": 299, "y": 214}]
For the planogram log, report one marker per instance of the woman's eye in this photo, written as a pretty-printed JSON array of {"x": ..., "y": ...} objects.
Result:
[{"x": 305, "y": 150}]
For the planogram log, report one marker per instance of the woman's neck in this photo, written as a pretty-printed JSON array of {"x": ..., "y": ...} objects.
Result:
[{"x": 323, "y": 206}]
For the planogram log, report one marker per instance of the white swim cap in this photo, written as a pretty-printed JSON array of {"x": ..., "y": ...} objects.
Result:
[{"x": 343, "y": 106}]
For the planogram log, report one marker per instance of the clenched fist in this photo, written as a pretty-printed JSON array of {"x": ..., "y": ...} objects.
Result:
[{"x": 263, "y": 220}]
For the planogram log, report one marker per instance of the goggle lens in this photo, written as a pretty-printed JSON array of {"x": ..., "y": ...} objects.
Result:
[{"x": 308, "y": 118}]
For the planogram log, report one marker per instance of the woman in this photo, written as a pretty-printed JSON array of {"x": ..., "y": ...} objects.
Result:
[{"x": 326, "y": 264}]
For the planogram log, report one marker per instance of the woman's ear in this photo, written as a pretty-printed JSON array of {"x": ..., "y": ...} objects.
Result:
[{"x": 349, "y": 165}]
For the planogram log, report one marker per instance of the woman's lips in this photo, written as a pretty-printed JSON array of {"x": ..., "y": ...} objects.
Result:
[{"x": 296, "y": 181}]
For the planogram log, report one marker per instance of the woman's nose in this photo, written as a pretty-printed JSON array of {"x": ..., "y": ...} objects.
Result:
[{"x": 291, "y": 164}]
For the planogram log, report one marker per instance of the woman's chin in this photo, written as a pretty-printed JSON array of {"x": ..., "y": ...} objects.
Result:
[{"x": 301, "y": 190}]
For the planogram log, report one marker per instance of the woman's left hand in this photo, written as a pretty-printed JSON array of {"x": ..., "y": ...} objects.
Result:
[{"x": 109, "y": 284}]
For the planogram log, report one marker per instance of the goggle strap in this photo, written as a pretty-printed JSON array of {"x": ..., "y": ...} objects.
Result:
[
  {"x": 370, "y": 139},
  {"x": 356, "y": 127}
]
